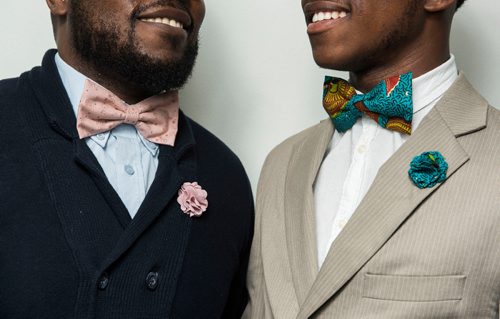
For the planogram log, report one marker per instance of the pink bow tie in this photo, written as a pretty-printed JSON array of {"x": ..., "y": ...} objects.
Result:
[{"x": 101, "y": 111}]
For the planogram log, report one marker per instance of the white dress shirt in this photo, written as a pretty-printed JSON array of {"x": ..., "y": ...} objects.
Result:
[
  {"x": 127, "y": 158},
  {"x": 353, "y": 158}
]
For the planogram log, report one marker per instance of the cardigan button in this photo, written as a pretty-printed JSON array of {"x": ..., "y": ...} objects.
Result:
[
  {"x": 103, "y": 282},
  {"x": 152, "y": 280}
]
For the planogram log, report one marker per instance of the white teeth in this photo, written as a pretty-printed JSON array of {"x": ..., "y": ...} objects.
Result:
[
  {"x": 330, "y": 15},
  {"x": 166, "y": 21}
]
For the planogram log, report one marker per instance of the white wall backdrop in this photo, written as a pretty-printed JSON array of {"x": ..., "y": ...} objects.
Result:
[{"x": 255, "y": 82}]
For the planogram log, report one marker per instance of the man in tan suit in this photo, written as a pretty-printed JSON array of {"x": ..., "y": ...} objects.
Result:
[{"x": 343, "y": 228}]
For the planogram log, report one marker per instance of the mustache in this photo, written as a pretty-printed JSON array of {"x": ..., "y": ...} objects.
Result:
[{"x": 177, "y": 4}]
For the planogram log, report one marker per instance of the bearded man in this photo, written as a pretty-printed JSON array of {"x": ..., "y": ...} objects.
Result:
[
  {"x": 391, "y": 207},
  {"x": 113, "y": 203}
]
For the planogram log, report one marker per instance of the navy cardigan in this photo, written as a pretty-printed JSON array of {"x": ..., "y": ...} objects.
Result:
[{"x": 68, "y": 247}]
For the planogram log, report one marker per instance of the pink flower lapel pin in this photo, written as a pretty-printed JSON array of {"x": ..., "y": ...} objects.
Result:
[{"x": 193, "y": 199}]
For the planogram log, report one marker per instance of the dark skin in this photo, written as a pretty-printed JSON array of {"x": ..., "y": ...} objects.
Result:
[
  {"x": 128, "y": 18},
  {"x": 380, "y": 38}
]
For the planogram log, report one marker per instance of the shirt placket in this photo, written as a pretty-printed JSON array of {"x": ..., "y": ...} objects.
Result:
[
  {"x": 129, "y": 173},
  {"x": 352, "y": 191}
]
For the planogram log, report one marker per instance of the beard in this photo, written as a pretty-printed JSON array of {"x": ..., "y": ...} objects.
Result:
[{"x": 99, "y": 44}]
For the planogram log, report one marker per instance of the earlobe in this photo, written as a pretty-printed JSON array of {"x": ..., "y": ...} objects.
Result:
[
  {"x": 439, "y": 5},
  {"x": 58, "y": 7}
]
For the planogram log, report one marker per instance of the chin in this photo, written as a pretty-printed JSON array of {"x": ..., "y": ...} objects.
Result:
[
  {"x": 333, "y": 57},
  {"x": 331, "y": 61}
]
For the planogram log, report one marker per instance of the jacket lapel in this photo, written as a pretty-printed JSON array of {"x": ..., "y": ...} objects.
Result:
[
  {"x": 393, "y": 197},
  {"x": 299, "y": 207},
  {"x": 86, "y": 159}
]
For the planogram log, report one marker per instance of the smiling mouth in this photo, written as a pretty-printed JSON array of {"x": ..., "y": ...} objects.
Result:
[
  {"x": 165, "y": 21},
  {"x": 327, "y": 15}
]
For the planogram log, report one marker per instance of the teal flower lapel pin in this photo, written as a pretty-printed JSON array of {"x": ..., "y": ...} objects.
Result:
[{"x": 428, "y": 169}]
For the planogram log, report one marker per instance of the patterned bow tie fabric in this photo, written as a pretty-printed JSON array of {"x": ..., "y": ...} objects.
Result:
[
  {"x": 155, "y": 118},
  {"x": 390, "y": 103}
]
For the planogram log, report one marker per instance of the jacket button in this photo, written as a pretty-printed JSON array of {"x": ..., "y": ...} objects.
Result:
[
  {"x": 152, "y": 280},
  {"x": 103, "y": 282}
]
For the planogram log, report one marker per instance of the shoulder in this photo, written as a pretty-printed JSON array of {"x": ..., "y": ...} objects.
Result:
[
  {"x": 218, "y": 166},
  {"x": 276, "y": 166},
  {"x": 8, "y": 88},
  {"x": 211, "y": 149},
  {"x": 282, "y": 152},
  {"x": 494, "y": 116},
  {"x": 15, "y": 94},
  {"x": 14, "y": 89}
]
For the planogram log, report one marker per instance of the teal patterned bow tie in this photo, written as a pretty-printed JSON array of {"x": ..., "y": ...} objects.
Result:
[{"x": 389, "y": 103}]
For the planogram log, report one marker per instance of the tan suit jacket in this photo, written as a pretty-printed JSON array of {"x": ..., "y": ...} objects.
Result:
[{"x": 406, "y": 252}]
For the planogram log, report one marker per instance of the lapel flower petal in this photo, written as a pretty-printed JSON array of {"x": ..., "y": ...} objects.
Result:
[
  {"x": 192, "y": 199},
  {"x": 428, "y": 169}
]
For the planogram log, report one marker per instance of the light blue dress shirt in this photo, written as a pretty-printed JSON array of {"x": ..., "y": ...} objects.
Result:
[{"x": 127, "y": 158}]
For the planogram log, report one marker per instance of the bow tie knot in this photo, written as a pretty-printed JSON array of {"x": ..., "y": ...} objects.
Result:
[
  {"x": 131, "y": 115},
  {"x": 155, "y": 118},
  {"x": 390, "y": 103}
]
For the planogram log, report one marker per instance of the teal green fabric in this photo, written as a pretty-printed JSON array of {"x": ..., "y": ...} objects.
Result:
[
  {"x": 390, "y": 103},
  {"x": 428, "y": 169}
]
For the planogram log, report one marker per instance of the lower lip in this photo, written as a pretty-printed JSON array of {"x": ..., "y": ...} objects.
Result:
[
  {"x": 164, "y": 27},
  {"x": 322, "y": 26}
]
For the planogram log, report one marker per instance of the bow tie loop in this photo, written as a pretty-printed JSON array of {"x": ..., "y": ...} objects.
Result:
[
  {"x": 131, "y": 115},
  {"x": 390, "y": 103}
]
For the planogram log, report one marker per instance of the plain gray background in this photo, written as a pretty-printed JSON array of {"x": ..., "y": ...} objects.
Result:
[{"x": 255, "y": 82}]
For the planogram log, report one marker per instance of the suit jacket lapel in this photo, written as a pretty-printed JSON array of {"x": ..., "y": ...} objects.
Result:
[
  {"x": 299, "y": 207},
  {"x": 393, "y": 197}
]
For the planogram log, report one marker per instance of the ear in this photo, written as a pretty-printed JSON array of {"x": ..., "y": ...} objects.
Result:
[
  {"x": 58, "y": 7},
  {"x": 439, "y": 5}
]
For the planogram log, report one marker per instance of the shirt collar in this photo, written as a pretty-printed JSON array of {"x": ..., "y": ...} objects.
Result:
[
  {"x": 433, "y": 84},
  {"x": 72, "y": 80},
  {"x": 74, "y": 83},
  {"x": 428, "y": 88}
]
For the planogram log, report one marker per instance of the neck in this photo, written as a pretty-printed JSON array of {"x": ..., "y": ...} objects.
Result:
[
  {"x": 365, "y": 80},
  {"x": 428, "y": 51}
]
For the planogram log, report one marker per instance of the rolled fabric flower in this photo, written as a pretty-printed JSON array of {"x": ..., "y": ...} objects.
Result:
[
  {"x": 428, "y": 169},
  {"x": 192, "y": 199}
]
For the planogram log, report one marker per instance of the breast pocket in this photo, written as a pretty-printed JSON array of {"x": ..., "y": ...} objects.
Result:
[{"x": 413, "y": 288}]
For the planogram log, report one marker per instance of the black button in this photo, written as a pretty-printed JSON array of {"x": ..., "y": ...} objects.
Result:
[
  {"x": 103, "y": 282},
  {"x": 152, "y": 280}
]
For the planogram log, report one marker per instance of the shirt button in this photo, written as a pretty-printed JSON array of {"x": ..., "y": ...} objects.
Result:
[
  {"x": 103, "y": 282},
  {"x": 100, "y": 136},
  {"x": 361, "y": 149},
  {"x": 152, "y": 280},
  {"x": 129, "y": 170}
]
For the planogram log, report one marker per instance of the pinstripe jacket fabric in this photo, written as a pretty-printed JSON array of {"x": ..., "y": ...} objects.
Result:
[{"x": 406, "y": 252}]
